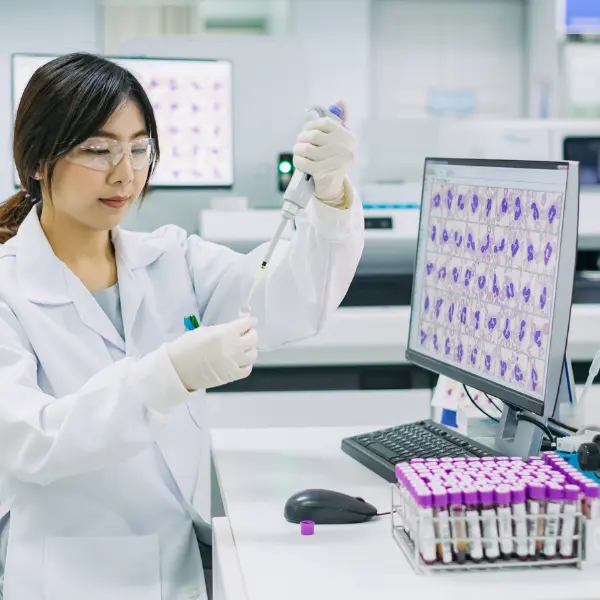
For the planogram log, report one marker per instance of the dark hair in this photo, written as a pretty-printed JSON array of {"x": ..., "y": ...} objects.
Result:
[{"x": 66, "y": 101}]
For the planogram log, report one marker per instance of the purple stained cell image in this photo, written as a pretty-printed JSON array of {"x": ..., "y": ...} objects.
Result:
[
  {"x": 459, "y": 352},
  {"x": 535, "y": 211},
  {"x": 429, "y": 268},
  {"x": 449, "y": 199},
  {"x": 495, "y": 288},
  {"x": 485, "y": 246},
  {"x": 547, "y": 253},
  {"x": 492, "y": 324},
  {"x": 503, "y": 367},
  {"x": 435, "y": 342},
  {"x": 510, "y": 290},
  {"x": 455, "y": 274},
  {"x": 468, "y": 275},
  {"x": 551, "y": 214},
  {"x": 477, "y": 317},
  {"x": 447, "y": 346},
  {"x": 451, "y": 312},
  {"x": 518, "y": 211},
  {"x": 506, "y": 331},
  {"x": 460, "y": 202},
  {"x": 458, "y": 240},
  {"x": 473, "y": 356},
  {"x": 474, "y": 203},
  {"x": 445, "y": 236},
  {"x": 470, "y": 242},
  {"x": 502, "y": 245},
  {"x": 537, "y": 338},
  {"x": 438, "y": 307},
  {"x": 488, "y": 207},
  {"x": 518, "y": 373},
  {"x": 463, "y": 315},
  {"x": 522, "y": 330},
  {"x": 433, "y": 232},
  {"x": 481, "y": 281},
  {"x": 530, "y": 256},
  {"x": 436, "y": 200},
  {"x": 504, "y": 205},
  {"x": 534, "y": 379},
  {"x": 514, "y": 248},
  {"x": 526, "y": 293},
  {"x": 488, "y": 362},
  {"x": 426, "y": 305},
  {"x": 442, "y": 273},
  {"x": 423, "y": 337},
  {"x": 543, "y": 298}
]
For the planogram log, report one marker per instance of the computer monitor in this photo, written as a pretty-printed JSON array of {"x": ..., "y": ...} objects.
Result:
[
  {"x": 493, "y": 283},
  {"x": 192, "y": 101}
]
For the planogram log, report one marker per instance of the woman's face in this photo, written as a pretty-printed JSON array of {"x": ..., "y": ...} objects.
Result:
[{"x": 88, "y": 188}]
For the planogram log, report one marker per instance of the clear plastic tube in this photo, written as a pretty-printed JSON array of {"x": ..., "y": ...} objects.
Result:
[
  {"x": 442, "y": 525},
  {"x": 536, "y": 498},
  {"x": 458, "y": 527},
  {"x": 502, "y": 497},
  {"x": 567, "y": 527},
  {"x": 519, "y": 511},
  {"x": 555, "y": 494},
  {"x": 489, "y": 523},
  {"x": 471, "y": 499}
]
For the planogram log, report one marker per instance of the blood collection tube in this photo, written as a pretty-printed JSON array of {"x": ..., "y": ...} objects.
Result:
[
  {"x": 536, "y": 498},
  {"x": 489, "y": 523},
  {"x": 591, "y": 495},
  {"x": 424, "y": 514},
  {"x": 555, "y": 494},
  {"x": 502, "y": 497},
  {"x": 519, "y": 512},
  {"x": 458, "y": 526},
  {"x": 442, "y": 525},
  {"x": 471, "y": 500},
  {"x": 567, "y": 528}
]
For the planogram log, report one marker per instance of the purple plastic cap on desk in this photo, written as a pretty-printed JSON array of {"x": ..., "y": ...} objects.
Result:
[
  {"x": 447, "y": 459},
  {"x": 571, "y": 493},
  {"x": 591, "y": 490},
  {"x": 503, "y": 463},
  {"x": 486, "y": 495},
  {"x": 307, "y": 527},
  {"x": 460, "y": 465},
  {"x": 517, "y": 494},
  {"x": 414, "y": 461},
  {"x": 424, "y": 498},
  {"x": 470, "y": 496},
  {"x": 489, "y": 459},
  {"x": 502, "y": 494},
  {"x": 555, "y": 492},
  {"x": 471, "y": 459},
  {"x": 536, "y": 491},
  {"x": 455, "y": 496}
]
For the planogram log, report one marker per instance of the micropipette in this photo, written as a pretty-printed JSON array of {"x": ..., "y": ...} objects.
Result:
[{"x": 299, "y": 191}]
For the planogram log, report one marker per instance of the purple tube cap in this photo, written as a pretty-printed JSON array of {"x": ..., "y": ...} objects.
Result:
[
  {"x": 455, "y": 496},
  {"x": 424, "y": 498},
  {"x": 555, "y": 492},
  {"x": 307, "y": 527},
  {"x": 591, "y": 490},
  {"x": 440, "y": 498},
  {"x": 502, "y": 494},
  {"x": 486, "y": 495},
  {"x": 536, "y": 491},
  {"x": 571, "y": 493},
  {"x": 470, "y": 496}
]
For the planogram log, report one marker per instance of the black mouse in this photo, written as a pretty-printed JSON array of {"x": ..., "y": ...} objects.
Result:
[{"x": 327, "y": 508}]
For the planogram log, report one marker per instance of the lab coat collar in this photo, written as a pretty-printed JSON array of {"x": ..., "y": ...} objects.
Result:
[{"x": 46, "y": 280}]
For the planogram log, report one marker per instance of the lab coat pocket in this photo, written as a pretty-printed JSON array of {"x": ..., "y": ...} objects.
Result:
[{"x": 115, "y": 568}]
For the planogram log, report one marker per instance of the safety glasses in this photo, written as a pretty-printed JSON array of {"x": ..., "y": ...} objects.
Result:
[{"x": 102, "y": 154}]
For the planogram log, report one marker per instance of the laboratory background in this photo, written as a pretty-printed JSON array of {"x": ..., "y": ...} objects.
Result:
[{"x": 489, "y": 80}]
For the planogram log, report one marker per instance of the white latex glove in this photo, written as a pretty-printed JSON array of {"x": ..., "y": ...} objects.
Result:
[
  {"x": 324, "y": 149},
  {"x": 211, "y": 356}
]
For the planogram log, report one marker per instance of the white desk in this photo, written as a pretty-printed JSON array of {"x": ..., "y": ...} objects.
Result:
[{"x": 259, "y": 469}]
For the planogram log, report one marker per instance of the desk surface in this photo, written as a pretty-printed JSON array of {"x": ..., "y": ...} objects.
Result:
[{"x": 259, "y": 469}]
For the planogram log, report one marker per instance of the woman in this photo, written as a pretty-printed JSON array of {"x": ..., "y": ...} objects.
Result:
[{"x": 98, "y": 417}]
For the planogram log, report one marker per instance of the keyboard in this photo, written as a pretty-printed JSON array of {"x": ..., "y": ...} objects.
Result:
[{"x": 379, "y": 451}]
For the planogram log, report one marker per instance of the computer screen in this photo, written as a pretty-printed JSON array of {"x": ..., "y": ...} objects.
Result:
[
  {"x": 494, "y": 275},
  {"x": 585, "y": 150},
  {"x": 192, "y": 101}
]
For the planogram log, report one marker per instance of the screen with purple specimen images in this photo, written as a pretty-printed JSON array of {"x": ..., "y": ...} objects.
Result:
[{"x": 486, "y": 271}]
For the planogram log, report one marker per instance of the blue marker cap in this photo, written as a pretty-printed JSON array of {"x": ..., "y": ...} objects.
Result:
[{"x": 337, "y": 110}]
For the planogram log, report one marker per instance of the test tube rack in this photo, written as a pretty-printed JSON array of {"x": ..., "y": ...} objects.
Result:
[{"x": 412, "y": 532}]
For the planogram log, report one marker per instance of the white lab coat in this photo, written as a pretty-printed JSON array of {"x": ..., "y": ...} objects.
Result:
[{"x": 99, "y": 486}]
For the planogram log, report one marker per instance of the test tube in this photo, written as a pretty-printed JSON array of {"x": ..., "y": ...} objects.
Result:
[
  {"x": 536, "y": 497},
  {"x": 567, "y": 529},
  {"x": 489, "y": 523},
  {"x": 442, "y": 525},
  {"x": 424, "y": 513},
  {"x": 502, "y": 497},
  {"x": 591, "y": 494},
  {"x": 556, "y": 494},
  {"x": 458, "y": 528},
  {"x": 471, "y": 499},
  {"x": 519, "y": 511}
]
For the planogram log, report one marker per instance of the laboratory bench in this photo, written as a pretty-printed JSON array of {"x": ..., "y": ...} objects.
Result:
[{"x": 258, "y": 555}]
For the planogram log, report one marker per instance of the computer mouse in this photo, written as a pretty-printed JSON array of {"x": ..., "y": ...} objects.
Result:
[{"x": 327, "y": 508}]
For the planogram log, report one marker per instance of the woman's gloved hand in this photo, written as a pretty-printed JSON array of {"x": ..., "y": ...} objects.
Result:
[
  {"x": 324, "y": 149},
  {"x": 211, "y": 356}
]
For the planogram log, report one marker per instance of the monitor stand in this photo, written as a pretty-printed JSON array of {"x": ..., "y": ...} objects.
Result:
[{"x": 521, "y": 438}]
